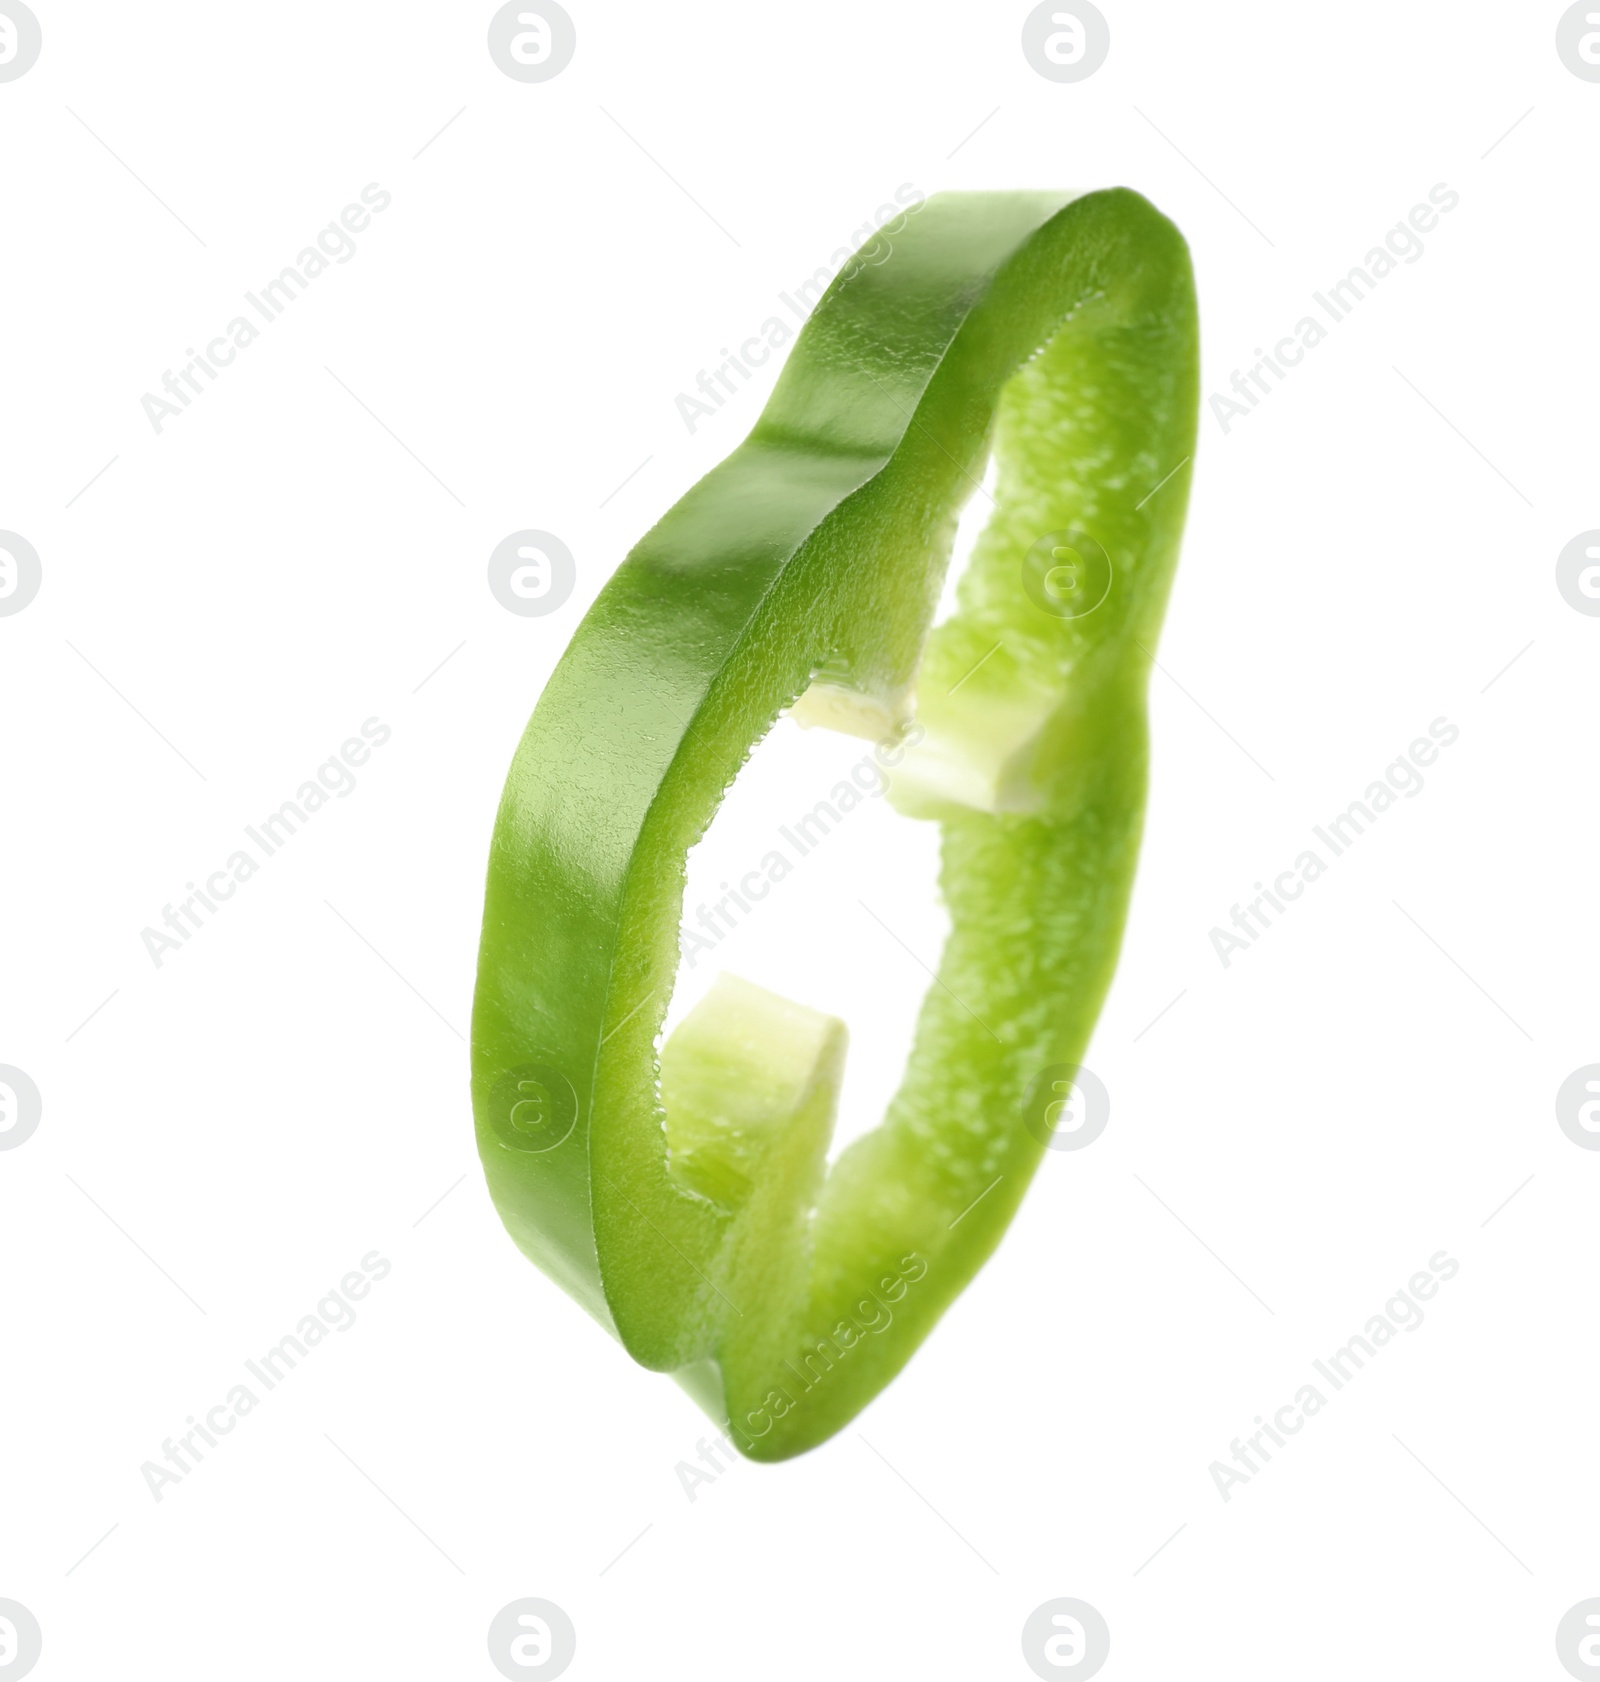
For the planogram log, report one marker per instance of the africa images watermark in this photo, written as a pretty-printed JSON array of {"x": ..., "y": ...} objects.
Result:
[
  {"x": 1403, "y": 242},
  {"x": 1402, "y": 777},
  {"x": 335, "y": 1312},
  {"x": 866, "y": 782},
  {"x": 1400, "y": 1313},
  {"x": 334, "y": 243},
  {"x": 335, "y": 776},
  {"x": 870, "y": 1315},
  {"x": 774, "y": 333}
]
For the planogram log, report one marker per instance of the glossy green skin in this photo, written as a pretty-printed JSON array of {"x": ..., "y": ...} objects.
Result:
[{"x": 1062, "y": 332}]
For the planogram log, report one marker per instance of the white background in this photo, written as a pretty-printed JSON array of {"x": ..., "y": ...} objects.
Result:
[{"x": 1362, "y": 1088}]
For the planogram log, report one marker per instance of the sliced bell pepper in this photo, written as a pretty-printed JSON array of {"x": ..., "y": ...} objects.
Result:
[{"x": 684, "y": 1198}]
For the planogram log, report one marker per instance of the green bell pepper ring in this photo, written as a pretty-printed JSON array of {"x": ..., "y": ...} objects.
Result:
[{"x": 685, "y": 1199}]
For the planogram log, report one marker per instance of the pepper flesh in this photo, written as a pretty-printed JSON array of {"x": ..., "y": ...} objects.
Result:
[{"x": 684, "y": 1197}]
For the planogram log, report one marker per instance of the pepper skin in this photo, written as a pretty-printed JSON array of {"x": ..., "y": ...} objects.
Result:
[{"x": 684, "y": 1198}]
